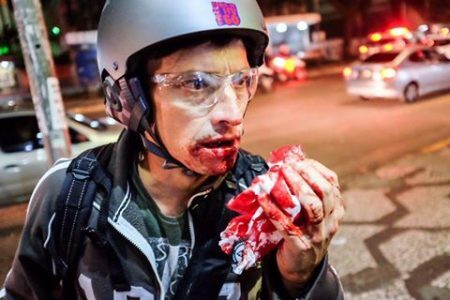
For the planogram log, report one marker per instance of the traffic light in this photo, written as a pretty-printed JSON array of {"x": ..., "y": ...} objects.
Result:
[
  {"x": 4, "y": 50},
  {"x": 56, "y": 31}
]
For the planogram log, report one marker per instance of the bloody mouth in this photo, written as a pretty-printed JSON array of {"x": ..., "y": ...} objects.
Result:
[
  {"x": 218, "y": 155},
  {"x": 218, "y": 144}
]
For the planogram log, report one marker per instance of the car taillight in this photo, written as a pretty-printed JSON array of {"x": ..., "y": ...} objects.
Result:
[
  {"x": 399, "y": 31},
  {"x": 388, "y": 47},
  {"x": 375, "y": 37},
  {"x": 290, "y": 65},
  {"x": 347, "y": 72},
  {"x": 388, "y": 73},
  {"x": 363, "y": 49}
]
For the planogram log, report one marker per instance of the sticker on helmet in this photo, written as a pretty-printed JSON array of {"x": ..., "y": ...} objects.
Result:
[{"x": 226, "y": 13}]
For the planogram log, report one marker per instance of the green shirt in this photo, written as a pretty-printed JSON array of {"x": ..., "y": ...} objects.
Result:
[{"x": 168, "y": 237}]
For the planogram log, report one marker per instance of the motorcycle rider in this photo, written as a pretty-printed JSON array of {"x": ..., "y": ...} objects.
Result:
[{"x": 179, "y": 75}]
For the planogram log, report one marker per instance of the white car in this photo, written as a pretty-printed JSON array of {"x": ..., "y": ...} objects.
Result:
[
  {"x": 23, "y": 159},
  {"x": 406, "y": 75},
  {"x": 442, "y": 45}
]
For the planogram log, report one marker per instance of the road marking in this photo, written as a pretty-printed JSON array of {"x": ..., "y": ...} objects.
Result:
[{"x": 436, "y": 146}]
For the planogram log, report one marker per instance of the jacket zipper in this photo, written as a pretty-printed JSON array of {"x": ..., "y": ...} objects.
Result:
[
  {"x": 139, "y": 247},
  {"x": 190, "y": 220}
]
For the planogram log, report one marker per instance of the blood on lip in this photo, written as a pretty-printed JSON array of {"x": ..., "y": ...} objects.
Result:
[{"x": 218, "y": 144}]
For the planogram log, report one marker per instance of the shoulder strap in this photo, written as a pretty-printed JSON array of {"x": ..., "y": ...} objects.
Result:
[{"x": 84, "y": 177}]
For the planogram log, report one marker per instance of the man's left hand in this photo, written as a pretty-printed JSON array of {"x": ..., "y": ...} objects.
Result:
[{"x": 317, "y": 189}]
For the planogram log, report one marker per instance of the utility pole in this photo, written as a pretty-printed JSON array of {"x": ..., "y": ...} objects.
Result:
[{"x": 44, "y": 84}]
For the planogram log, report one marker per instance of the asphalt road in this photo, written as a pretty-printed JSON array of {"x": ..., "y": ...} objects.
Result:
[
  {"x": 345, "y": 133},
  {"x": 349, "y": 135}
]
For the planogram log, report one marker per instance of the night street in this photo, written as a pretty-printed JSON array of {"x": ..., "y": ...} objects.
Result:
[
  {"x": 343, "y": 132},
  {"x": 393, "y": 161}
]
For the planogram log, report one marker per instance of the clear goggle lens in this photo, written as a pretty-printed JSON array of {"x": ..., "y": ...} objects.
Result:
[{"x": 202, "y": 89}]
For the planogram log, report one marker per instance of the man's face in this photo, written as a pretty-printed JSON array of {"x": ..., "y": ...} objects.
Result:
[{"x": 205, "y": 138}]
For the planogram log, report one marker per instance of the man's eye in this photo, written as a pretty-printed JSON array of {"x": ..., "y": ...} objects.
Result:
[
  {"x": 194, "y": 83},
  {"x": 241, "y": 79}
]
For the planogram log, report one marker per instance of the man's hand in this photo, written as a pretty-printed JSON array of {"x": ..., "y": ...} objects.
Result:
[{"x": 317, "y": 189}]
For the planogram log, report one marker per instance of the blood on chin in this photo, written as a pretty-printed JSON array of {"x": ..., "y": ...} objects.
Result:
[{"x": 213, "y": 161}]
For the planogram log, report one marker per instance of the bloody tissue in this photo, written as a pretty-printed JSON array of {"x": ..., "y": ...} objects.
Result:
[{"x": 267, "y": 200}]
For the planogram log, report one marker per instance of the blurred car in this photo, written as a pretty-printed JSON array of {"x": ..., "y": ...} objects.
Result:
[
  {"x": 23, "y": 159},
  {"x": 288, "y": 68},
  {"x": 405, "y": 75},
  {"x": 442, "y": 45},
  {"x": 394, "y": 39}
]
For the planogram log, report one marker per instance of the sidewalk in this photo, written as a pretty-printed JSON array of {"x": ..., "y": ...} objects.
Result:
[{"x": 394, "y": 240}]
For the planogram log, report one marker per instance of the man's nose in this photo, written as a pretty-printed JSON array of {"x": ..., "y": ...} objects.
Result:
[{"x": 229, "y": 108}]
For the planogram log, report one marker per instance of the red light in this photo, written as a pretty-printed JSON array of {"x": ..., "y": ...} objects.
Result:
[{"x": 399, "y": 31}]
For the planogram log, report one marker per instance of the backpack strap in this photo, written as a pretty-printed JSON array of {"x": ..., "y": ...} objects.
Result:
[{"x": 85, "y": 176}]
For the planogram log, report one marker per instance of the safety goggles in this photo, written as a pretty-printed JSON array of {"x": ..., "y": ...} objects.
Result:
[{"x": 203, "y": 90}]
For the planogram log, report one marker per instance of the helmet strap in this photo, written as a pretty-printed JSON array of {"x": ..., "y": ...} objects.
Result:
[{"x": 157, "y": 147}]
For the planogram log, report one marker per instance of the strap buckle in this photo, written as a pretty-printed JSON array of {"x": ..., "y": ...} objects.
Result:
[{"x": 84, "y": 167}]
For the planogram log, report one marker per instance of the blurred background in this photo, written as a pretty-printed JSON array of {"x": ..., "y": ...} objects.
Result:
[{"x": 363, "y": 86}]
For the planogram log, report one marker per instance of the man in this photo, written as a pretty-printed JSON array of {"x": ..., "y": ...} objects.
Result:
[{"x": 179, "y": 75}]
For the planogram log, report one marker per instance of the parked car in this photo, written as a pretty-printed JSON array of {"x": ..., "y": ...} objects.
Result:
[
  {"x": 23, "y": 159},
  {"x": 405, "y": 75}
]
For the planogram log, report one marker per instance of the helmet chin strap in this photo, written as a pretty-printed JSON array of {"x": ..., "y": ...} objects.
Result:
[{"x": 157, "y": 147}]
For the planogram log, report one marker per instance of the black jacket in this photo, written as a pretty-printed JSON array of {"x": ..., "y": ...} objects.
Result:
[{"x": 34, "y": 274}]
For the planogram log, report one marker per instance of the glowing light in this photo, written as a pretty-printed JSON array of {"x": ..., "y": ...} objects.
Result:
[
  {"x": 290, "y": 65},
  {"x": 56, "y": 30},
  {"x": 388, "y": 47},
  {"x": 281, "y": 27},
  {"x": 279, "y": 62},
  {"x": 423, "y": 27},
  {"x": 79, "y": 117},
  {"x": 347, "y": 72},
  {"x": 4, "y": 64},
  {"x": 444, "y": 31},
  {"x": 388, "y": 73},
  {"x": 94, "y": 124},
  {"x": 302, "y": 25},
  {"x": 398, "y": 31},
  {"x": 375, "y": 37},
  {"x": 363, "y": 49}
]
